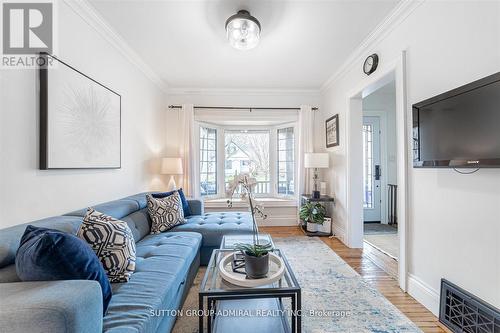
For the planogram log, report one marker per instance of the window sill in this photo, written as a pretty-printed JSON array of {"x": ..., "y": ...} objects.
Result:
[{"x": 238, "y": 203}]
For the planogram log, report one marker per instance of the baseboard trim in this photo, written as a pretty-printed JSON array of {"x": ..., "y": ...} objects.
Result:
[
  {"x": 278, "y": 221},
  {"x": 424, "y": 294},
  {"x": 338, "y": 232}
]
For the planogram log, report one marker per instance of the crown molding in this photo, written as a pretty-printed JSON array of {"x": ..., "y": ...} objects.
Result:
[
  {"x": 402, "y": 10},
  {"x": 238, "y": 91},
  {"x": 85, "y": 10}
]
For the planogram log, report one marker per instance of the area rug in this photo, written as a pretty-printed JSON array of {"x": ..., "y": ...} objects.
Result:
[
  {"x": 387, "y": 243},
  {"x": 335, "y": 298}
]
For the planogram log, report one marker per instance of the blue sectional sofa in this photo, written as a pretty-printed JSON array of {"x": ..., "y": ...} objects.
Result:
[{"x": 165, "y": 268}]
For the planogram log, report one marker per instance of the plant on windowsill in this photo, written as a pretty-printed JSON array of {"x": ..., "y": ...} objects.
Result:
[
  {"x": 313, "y": 214},
  {"x": 256, "y": 254}
]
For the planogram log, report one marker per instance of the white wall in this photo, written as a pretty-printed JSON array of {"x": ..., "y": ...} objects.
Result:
[
  {"x": 27, "y": 193},
  {"x": 454, "y": 220},
  {"x": 255, "y": 98}
]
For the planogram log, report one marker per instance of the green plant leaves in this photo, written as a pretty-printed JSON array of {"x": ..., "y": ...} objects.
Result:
[
  {"x": 255, "y": 250},
  {"x": 312, "y": 213}
]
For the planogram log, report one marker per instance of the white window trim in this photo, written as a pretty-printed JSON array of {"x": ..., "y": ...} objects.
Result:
[
  {"x": 198, "y": 126},
  {"x": 273, "y": 156}
]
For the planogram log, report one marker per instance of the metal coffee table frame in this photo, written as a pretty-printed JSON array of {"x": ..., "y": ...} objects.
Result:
[{"x": 292, "y": 291}]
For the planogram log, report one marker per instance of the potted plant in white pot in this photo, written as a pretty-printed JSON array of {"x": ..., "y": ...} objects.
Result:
[
  {"x": 313, "y": 214},
  {"x": 256, "y": 254}
]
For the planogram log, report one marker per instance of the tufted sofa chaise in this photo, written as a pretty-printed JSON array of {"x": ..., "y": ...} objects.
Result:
[{"x": 165, "y": 268}]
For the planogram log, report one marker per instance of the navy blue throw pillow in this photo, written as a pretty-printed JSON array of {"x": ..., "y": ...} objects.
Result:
[
  {"x": 48, "y": 254},
  {"x": 185, "y": 204}
]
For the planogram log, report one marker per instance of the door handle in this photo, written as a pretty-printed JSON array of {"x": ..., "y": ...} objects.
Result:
[{"x": 377, "y": 172}]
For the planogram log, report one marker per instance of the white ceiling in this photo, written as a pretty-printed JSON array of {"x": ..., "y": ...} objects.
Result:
[{"x": 302, "y": 42}]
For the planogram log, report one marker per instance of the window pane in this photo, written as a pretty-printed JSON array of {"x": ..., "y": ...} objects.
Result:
[
  {"x": 286, "y": 161},
  {"x": 247, "y": 151},
  {"x": 212, "y": 167},
  {"x": 208, "y": 161},
  {"x": 281, "y": 144},
  {"x": 282, "y": 155}
]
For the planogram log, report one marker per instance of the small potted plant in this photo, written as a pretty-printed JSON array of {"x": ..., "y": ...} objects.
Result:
[
  {"x": 312, "y": 214},
  {"x": 256, "y": 254}
]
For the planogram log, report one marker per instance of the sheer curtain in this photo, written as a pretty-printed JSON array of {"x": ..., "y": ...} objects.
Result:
[
  {"x": 186, "y": 149},
  {"x": 305, "y": 145}
]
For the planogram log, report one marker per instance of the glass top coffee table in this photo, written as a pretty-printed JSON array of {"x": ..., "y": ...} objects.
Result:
[
  {"x": 216, "y": 293},
  {"x": 229, "y": 241}
]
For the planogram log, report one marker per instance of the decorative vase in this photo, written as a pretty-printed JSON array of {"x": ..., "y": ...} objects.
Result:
[
  {"x": 256, "y": 267},
  {"x": 312, "y": 227}
]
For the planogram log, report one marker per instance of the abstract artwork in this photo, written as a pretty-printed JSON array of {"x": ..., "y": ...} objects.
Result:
[
  {"x": 332, "y": 131},
  {"x": 80, "y": 120}
]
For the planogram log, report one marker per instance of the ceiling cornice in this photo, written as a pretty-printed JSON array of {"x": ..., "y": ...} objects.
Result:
[
  {"x": 87, "y": 12},
  {"x": 237, "y": 91},
  {"x": 402, "y": 10}
]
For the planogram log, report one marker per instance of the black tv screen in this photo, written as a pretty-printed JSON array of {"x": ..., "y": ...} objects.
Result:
[{"x": 460, "y": 128}]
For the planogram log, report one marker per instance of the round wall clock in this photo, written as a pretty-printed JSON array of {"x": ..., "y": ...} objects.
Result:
[{"x": 370, "y": 64}]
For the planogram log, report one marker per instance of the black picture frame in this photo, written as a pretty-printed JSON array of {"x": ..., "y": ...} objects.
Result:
[
  {"x": 44, "y": 111},
  {"x": 332, "y": 129}
]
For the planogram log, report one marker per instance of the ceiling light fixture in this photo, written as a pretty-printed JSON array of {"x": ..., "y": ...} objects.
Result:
[{"x": 243, "y": 30}]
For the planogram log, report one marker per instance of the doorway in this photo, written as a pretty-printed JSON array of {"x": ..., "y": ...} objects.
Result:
[
  {"x": 392, "y": 71},
  {"x": 380, "y": 231}
]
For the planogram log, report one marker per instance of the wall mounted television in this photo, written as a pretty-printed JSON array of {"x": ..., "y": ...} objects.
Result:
[{"x": 459, "y": 128}]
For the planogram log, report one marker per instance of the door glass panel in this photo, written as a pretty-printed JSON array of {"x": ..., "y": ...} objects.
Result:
[{"x": 367, "y": 166}]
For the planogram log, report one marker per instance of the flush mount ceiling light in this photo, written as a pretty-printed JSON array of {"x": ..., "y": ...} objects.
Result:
[{"x": 243, "y": 30}]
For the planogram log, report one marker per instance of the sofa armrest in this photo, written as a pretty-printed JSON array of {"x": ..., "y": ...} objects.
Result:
[
  {"x": 51, "y": 306},
  {"x": 196, "y": 206}
]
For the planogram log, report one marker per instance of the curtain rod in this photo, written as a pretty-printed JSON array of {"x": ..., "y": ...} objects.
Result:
[{"x": 237, "y": 108}]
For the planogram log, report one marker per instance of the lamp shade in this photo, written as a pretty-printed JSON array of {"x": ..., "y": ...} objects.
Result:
[
  {"x": 171, "y": 166},
  {"x": 316, "y": 160}
]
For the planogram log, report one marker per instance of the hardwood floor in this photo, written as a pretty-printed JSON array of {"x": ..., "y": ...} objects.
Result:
[{"x": 385, "y": 283}]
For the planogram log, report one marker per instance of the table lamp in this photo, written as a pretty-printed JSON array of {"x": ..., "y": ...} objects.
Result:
[
  {"x": 316, "y": 161},
  {"x": 171, "y": 166}
]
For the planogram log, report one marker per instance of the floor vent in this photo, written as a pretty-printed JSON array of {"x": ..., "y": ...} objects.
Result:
[{"x": 461, "y": 311}]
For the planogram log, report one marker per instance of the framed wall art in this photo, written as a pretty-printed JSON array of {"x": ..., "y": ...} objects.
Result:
[
  {"x": 80, "y": 120},
  {"x": 332, "y": 131}
]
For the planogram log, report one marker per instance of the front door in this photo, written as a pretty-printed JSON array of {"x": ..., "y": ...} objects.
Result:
[{"x": 371, "y": 169}]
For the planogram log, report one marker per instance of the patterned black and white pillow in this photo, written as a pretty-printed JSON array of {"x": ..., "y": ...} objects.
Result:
[
  {"x": 112, "y": 242},
  {"x": 165, "y": 213}
]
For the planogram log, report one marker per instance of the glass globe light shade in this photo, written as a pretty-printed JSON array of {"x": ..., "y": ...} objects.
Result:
[{"x": 243, "y": 30}]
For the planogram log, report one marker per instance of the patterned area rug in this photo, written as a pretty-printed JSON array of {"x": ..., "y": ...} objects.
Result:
[{"x": 329, "y": 286}]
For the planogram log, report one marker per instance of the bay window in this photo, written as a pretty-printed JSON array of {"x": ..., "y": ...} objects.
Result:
[{"x": 265, "y": 153}]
